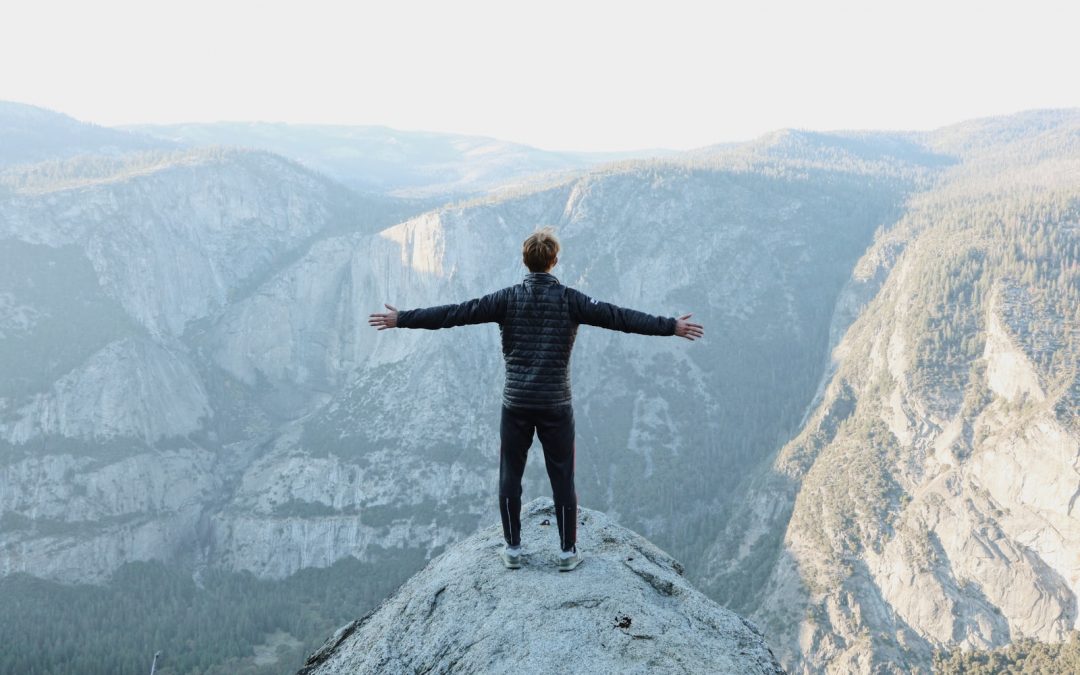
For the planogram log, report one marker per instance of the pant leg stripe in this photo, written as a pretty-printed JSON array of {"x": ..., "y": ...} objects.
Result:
[
  {"x": 559, "y": 522},
  {"x": 509, "y": 523},
  {"x": 562, "y": 536}
]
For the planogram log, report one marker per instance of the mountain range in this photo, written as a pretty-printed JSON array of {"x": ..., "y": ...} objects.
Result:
[{"x": 873, "y": 453}]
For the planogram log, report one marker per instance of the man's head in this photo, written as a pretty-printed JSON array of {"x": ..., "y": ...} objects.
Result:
[{"x": 541, "y": 250}]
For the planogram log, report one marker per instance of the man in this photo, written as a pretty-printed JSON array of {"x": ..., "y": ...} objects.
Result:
[{"x": 538, "y": 321}]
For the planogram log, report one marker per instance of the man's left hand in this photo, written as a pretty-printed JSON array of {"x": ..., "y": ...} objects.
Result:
[{"x": 688, "y": 330}]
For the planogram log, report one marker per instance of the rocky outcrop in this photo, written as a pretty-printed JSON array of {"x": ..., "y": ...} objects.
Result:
[{"x": 626, "y": 609}]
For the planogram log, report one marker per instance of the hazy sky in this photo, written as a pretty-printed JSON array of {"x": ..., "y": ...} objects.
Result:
[{"x": 559, "y": 75}]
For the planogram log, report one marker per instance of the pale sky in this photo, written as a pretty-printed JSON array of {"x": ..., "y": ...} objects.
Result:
[{"x": 576, "y": 75}]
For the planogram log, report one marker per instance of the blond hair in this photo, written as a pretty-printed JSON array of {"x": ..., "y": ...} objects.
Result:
[{"x": 540, "y": 249}]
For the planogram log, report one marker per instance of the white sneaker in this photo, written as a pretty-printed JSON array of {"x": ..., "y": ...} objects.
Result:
[
  {"x": 511, "y": 557},
  {"x": 568, "y": 560}
]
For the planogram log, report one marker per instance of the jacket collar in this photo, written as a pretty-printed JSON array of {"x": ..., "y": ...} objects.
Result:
[{"x": 540, "y": 279}]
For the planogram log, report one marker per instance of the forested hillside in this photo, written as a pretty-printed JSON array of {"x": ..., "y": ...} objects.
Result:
[{"x": 1020, "y": 658}]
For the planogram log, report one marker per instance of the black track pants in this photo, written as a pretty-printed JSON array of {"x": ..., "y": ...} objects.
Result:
[{"x": 555, "y": 428}]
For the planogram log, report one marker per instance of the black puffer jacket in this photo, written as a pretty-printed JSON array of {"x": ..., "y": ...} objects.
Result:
[{"x": 538, "y": 319}]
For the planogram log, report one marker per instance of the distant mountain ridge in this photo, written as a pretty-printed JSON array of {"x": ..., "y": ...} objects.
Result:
[
  {"x": 32, "y": 134},
  {"x": 424, "y": 168},
  {"x": 378, "y": 159}
]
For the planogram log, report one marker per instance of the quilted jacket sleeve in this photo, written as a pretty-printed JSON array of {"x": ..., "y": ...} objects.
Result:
[
  {"x": 584, "y": 309},
  {"x": 491, "y": 307}
]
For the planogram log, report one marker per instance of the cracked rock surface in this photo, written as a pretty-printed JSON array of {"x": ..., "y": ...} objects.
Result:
[{"x": 627, "y": 609}]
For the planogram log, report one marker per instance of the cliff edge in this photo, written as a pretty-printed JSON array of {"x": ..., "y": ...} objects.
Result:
[{"x": 627, "y": 609}]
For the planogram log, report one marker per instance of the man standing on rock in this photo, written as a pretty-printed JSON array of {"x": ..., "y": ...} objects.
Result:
[{"x": 538, "y": 320}]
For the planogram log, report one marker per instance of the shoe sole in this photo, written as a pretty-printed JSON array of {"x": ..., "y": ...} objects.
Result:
[{"x": 566, "y": 567}]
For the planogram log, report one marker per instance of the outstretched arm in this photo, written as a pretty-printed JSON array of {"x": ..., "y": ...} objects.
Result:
[
  {"x": 491, "y": 307},
  {"x": 586, "y": 310}
]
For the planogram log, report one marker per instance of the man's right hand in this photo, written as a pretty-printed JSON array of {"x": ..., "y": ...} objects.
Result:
[
  {"x": 688, "y": 330},
  {"x": 384, "y": 321}
]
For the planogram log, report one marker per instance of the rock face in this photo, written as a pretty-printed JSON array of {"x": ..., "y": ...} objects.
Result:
[
  {"x": 929, "y": 500},
  {"x": 625, "y": 609}
]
